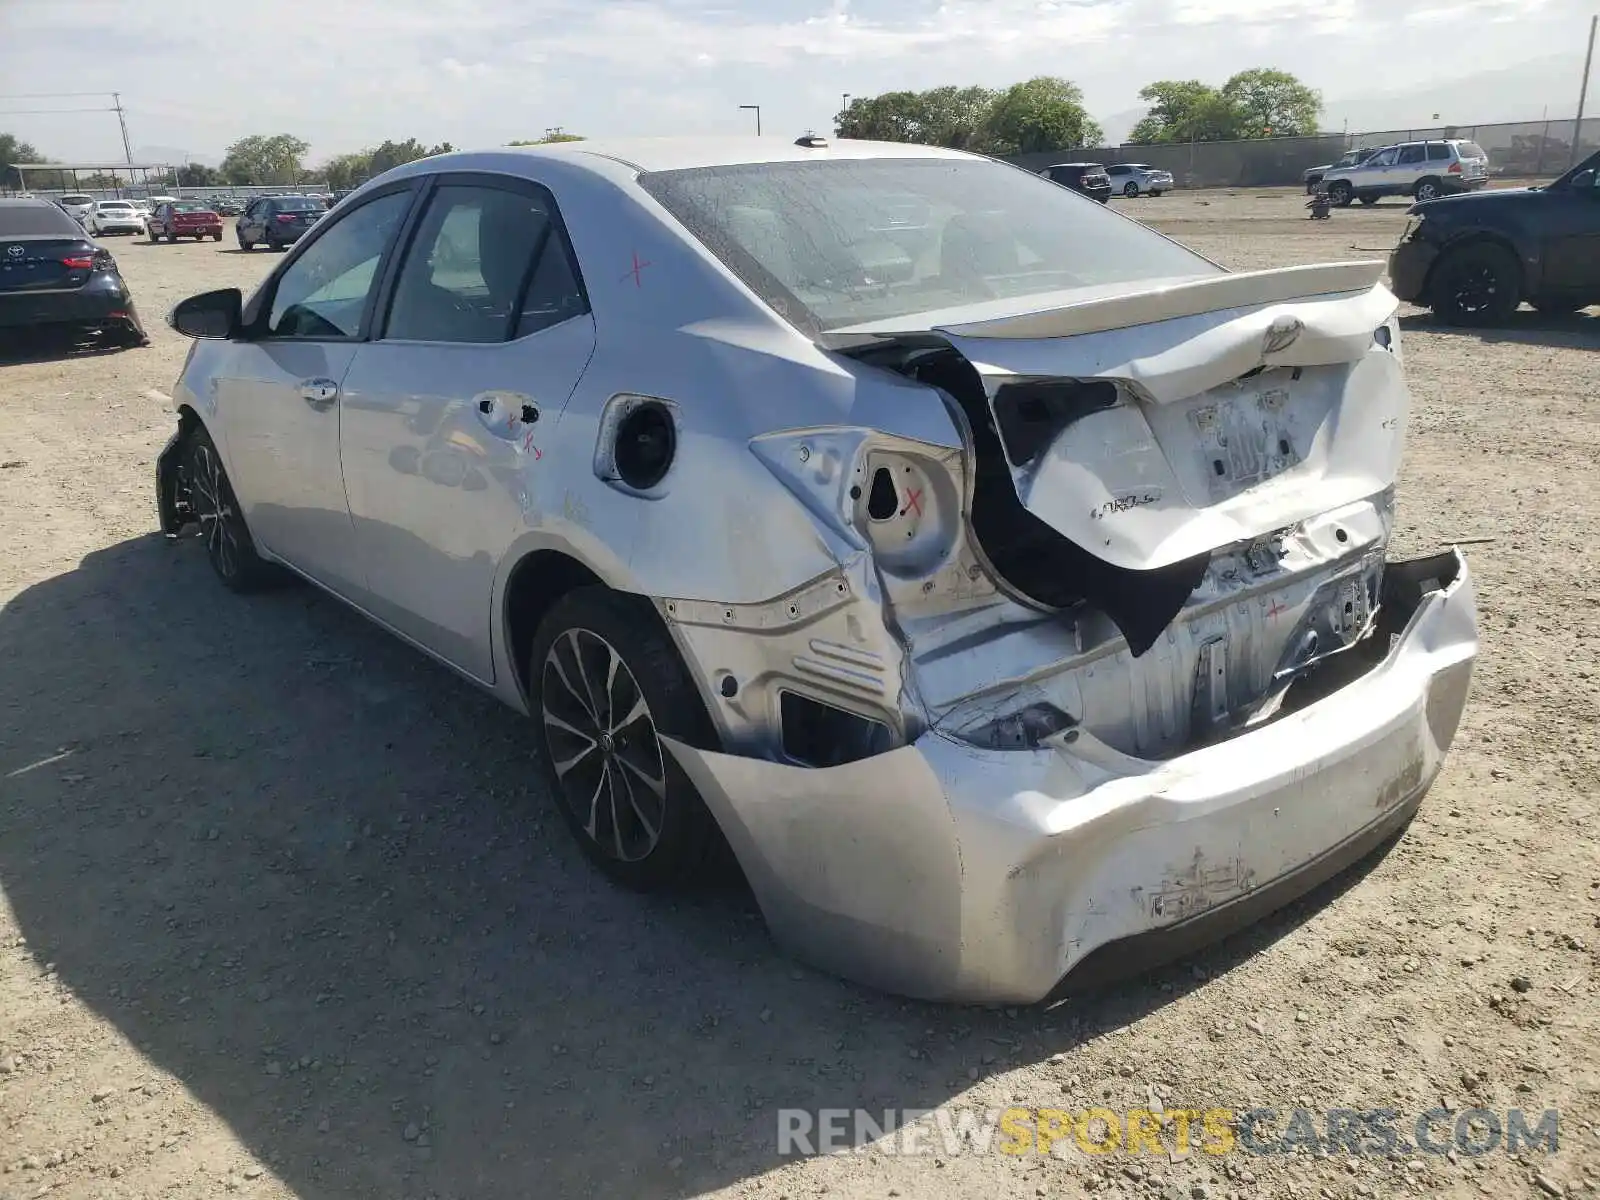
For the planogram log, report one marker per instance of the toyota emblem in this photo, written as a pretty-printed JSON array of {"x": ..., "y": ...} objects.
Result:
[{"x": 14, "y": 251}]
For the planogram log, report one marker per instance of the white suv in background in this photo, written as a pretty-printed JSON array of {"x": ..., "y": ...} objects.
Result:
[
  {"x": 1425, "y": 170},
  {"x": 1137, "y": 179}
]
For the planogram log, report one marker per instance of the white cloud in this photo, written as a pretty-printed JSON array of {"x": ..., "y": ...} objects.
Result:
[{"x": 349, "y": 73}]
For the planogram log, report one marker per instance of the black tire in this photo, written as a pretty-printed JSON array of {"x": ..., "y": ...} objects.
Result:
[
  {"x": 1479, "y": 284},
  {"x": 1427, "y": 189},
  {"x": 217, "y": 236},
  {"x": 244, "y": 245},
  {"x": 228, "y": 543},
  {"x": 273, "y": 243},
  {"x": 613, "y": 824},
  {"x": 1340, "y": 193},
  {"x": 1155, "y": 193},
  {"x": 1130, "y": 189},
  {"x": 1552, "y": 306},
  {"x": 155, "y": 239},
  {"x": 1369, "y": 201}
]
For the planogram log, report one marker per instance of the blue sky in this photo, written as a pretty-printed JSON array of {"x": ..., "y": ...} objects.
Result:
[{"x": 347, "y": 73}]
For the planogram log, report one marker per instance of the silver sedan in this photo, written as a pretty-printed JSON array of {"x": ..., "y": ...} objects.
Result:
[{"x": 1003, "y": 583}]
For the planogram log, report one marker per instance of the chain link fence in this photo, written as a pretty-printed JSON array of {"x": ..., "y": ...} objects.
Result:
[{"x": 1516, "y": 149}]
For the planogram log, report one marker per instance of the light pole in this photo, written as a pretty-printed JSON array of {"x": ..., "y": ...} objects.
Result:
[
  {"x": 1583, "y": 92},
  {"x": 757, "y": 109}
]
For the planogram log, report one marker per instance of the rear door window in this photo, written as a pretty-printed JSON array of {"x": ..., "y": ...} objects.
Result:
[
  {"x": 487, "y": 264},
  {"x": 1438, "y": 152},
  {"x": 1414, "y": 153}
]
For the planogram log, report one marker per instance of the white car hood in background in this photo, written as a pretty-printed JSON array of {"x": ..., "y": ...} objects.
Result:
[{"x": 1246, "y": 403}]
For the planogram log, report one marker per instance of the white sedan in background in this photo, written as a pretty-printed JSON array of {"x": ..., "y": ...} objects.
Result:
[
  {"x": 114, "y": 216},
  {"x": 1138, "y": 179}
]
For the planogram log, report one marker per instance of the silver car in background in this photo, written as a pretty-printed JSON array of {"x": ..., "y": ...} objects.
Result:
[
  {"x": 1005, "y": 584},
  {"x": 1138, "y": 179}
]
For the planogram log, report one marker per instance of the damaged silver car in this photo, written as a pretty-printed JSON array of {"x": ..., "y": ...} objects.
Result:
[{"x": 1005, "y": 583}]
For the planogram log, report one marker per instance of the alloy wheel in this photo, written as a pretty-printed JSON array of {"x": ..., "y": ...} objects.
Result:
[
  {"x": 603, "y": 745},
  {"x": 1474, "y": 286},
  {"x": 1427, "y": 191},
  {"x": 214, "y": 509}
]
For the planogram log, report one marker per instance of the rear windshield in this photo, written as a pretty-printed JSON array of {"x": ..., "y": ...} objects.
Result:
[
  {"x": 122, "y": 204},
  {"x": 1470, "y": 150},
  {"x": 191, "y": 206},
  {"x": 830, "y": 244},
  {"x": 23, "y": 220},
  {"x": 296, "y": 204},
  {"x": 77, "y": 199}
]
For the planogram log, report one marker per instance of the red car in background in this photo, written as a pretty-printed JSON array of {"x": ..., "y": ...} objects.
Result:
[{"x": 184, "y": 218}]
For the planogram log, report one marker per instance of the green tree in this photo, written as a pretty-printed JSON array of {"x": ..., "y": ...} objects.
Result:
[
  {"x": 344, "y": 171},
  {"x": 1272, "y": 103},
  {"x": 196, "y": 175},
  {"x": 1045, "y": 113},
  {"x": 263, "y": 158},
  {"x": 552, "y": 138},
  {"x": 1183, "y": 110},
  {"x": 14, "y": 151}
]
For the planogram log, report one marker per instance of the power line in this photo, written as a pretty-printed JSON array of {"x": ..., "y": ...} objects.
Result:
[
  {"x": 47, "y": 95},
  {"x": 33, "y": 112}
]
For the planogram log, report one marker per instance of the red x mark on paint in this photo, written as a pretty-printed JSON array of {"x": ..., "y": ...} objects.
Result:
[
  {"x": 639, "y": 265},
  {"x": 527, "y": 444},
  {"x": 913, "y": 502},
  {"x": 1277, "y": 607}
]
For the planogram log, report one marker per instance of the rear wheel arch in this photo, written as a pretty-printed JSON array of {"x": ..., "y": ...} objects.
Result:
[{"x": 535, "y": 583}]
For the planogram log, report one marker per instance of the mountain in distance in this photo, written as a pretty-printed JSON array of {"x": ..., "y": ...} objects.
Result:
[{"x": 1520, "y": 93}]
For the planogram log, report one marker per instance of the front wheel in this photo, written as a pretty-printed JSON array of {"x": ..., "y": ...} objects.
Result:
[
  {"x": 1369, "y": 201},
  {"x": 1341, "y": 193},
  {"x": 1476, "y": 285},
  {"x": 607, "y": 685},
  {"x": 1130, "y": 190},
  {"x": 228, "y": 544}
]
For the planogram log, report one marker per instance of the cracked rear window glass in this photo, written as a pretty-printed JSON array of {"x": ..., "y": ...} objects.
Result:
[{"x": 830, "y": 244}]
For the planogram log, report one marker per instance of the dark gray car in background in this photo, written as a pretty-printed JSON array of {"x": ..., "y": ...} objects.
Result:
[
  {"x": 54, "y": 279},
  {"x": 276, "y": 222}
]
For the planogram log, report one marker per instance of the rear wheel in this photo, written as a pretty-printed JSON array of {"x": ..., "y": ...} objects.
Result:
[
  {"x": 1553, "y": 306},
  {"x": 1427, "y": 189},
  {"x": 1476, "y": 285},
  {"x": 228, "y": 545},
  {"x": 1341, "y": 193},
  {"x": 1130, "y": 190},
  {"x": 217, "y": 236},
  {"x": 243, "y": 243},
  {"x": 607, "y": 685},
  {"x": 1369, "y": 201}
]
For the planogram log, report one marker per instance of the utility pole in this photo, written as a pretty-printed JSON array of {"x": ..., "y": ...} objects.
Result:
[
  {"x": 757, "y": 109},
  {"x": 116, "y": 98},
  {"x": 1583, "y": 94}
]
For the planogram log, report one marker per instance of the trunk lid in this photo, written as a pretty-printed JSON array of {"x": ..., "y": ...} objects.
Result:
[
  {"x": 1152, "y": 426},
  {"x": 40, "y": 262}
]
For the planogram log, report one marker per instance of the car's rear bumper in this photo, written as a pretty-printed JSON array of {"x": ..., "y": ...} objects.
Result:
[
  {"x": 947, "y": 872},
  {"x": 214, "y": 229},
  {"x": 120, "y": 227},
  {"x": 103, "y": 300},
  {"x": 1101, "y": 193}
]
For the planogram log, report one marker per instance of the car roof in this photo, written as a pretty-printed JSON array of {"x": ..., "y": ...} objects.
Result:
[
  {"x": 25, "y": 202},
  {"x": 678, "y": 153},
  {"x": 1053, "y": 166}
]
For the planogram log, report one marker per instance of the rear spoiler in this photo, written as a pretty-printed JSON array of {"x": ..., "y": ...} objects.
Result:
[{"x": 1075, "y": 312}]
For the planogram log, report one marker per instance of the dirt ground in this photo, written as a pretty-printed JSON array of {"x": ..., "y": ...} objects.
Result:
[{"x": 284, "y": 913}]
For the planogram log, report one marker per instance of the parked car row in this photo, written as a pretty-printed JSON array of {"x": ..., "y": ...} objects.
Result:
[{"x": 1101, "y": 182}]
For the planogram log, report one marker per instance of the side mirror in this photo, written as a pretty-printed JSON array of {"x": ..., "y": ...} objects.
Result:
[
  {"x": 215, "y": 315},
  {"x": 1585, "y": 179}
]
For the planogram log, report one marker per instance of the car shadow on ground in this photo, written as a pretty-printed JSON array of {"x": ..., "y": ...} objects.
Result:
[
  {"x": 38, "y": 348},
  {"x": 1573, "y": 331},
  {"x": 312, "y": 875}
]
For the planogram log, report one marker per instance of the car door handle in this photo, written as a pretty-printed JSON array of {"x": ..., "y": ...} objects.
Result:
[{"x": 319, "y": 393}]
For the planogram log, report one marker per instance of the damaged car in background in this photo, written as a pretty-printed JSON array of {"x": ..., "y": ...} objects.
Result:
[{"x": 1006, "y": 585}]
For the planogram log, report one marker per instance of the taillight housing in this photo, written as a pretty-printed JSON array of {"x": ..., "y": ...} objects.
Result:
[
  {"x": 285, "y": 218},
  {"x": 1455, "y": 169},
  {"x": 78, "y": 262}
]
